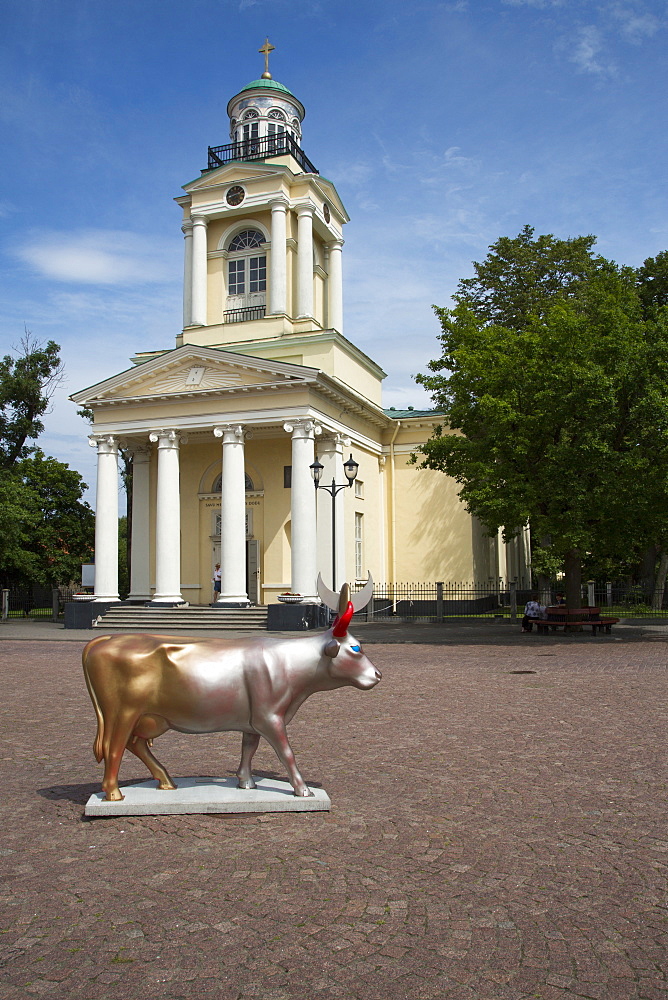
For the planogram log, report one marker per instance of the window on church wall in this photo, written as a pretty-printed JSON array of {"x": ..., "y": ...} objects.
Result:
[
  {"x": 218, "y": 484},
  {"x": 246, "y": 271},
  {"x": 359, "y": 545}
]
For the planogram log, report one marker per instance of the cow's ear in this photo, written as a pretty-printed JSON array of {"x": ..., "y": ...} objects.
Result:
[{"x": 332, "y": 648}]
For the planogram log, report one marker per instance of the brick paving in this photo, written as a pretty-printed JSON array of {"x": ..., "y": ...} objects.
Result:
[{"x": 498, "y": 832}]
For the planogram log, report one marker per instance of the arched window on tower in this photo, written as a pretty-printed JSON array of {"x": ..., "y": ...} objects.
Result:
[
  {"x": 246, "y": 277},
  {"x": 276, "y": 131},
  {"x": 248, "y": 132}
]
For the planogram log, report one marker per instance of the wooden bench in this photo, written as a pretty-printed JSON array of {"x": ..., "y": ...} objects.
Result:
[{"x": 562, "y": 617}]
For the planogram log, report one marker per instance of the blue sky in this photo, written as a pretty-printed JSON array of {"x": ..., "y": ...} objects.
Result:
[{"x": 444, "y": 125}]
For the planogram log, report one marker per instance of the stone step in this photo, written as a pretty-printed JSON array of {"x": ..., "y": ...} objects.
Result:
[{"x": 124, "y": 616}]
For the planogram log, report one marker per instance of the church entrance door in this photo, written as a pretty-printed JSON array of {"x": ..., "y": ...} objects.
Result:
[{"x": 253, "y": 588}]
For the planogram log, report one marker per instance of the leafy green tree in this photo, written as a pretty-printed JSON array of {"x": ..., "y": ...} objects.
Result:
[
  {"x": 27, "y": 383},
  {"x": 653, "y": 283},
  {"x": 46, "y": 529},
  {"x": 521, "y": 277},
  {"x": 560, "y": 412},
  {"x": 62, "y": 538}
]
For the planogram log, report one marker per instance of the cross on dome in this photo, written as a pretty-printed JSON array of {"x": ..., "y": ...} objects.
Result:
[{"x": 266, "y": 49}]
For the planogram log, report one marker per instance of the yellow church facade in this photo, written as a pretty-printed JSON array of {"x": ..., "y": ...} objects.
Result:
[{"x": 260, "y": 385}]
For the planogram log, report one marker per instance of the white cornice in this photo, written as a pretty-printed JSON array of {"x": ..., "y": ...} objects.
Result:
[{"x": 264, "y": 423}]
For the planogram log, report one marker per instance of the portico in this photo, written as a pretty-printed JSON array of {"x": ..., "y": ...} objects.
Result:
[{"x": 280, "y": 410}]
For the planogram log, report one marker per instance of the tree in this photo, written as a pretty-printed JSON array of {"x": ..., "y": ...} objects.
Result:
[
  {"x": 521, "y": 277},
  {"x": 653, "y": 283},
  {"x": 46, "y": 529},
  {"x": 560, "y": 412},
  {"x": 27, "y": 383}
]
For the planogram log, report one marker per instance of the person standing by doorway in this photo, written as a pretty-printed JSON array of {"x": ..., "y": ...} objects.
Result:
[{"x": 216, "y": 582}]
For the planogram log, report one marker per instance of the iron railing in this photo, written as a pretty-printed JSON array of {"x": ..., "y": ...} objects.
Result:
[
  {"x": 34, "y": 602},
  {"x": 260, "y": 148},
  {"x": 245, "y": 314},
  {"x": 436, "y": 601},
  {"x": 440, "y": 601}
]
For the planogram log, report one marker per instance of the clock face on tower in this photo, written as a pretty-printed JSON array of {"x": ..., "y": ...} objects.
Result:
[
  {"x": 235, "y": 195},
  {"x": 326, "y": 212}
]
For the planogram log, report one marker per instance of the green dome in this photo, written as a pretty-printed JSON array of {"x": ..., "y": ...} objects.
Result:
[{"x": 267, "y": 85}]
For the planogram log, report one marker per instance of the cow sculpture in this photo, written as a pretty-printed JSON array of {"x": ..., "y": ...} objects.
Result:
[{"x": 143, "y": 685}]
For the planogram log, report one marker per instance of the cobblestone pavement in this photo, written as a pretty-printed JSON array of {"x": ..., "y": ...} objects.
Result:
[{"x": 498, "y": 832}]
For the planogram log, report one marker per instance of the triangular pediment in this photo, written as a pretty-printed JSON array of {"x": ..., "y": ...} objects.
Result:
[
  {"x": 192, "y": 370},
  {"x": 237, "y": 171}
]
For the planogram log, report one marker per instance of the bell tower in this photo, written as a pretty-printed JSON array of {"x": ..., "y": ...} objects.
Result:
[{"x": 263, "y": 230}]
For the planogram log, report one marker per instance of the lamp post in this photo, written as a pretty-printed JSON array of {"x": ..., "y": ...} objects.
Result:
[{"x": 350, "y": 468}]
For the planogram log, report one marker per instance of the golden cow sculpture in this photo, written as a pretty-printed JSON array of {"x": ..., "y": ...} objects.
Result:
[{"x": 143, "y": 685}]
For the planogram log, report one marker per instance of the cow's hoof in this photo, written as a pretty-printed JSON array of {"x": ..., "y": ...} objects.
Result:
[
  {"x": 114, "y": 796},
  {"x": 305, "y": 793},
  {"x": 246, "y": 783},
  {"x": 167, "y": 786}
]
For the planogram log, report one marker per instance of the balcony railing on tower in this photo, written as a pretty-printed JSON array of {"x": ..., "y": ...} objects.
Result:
[{"x": 261, "y": 148}]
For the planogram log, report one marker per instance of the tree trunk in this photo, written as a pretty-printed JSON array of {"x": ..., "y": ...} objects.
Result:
[
  {"x": 646, "y": 570},
  {"x": 660, "y": 582},
  {"x": 544, "y": 594},
  {"x": 573, "y": 568}
]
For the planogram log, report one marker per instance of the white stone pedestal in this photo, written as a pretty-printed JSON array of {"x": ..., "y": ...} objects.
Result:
[{"x": 208, "y": 795}]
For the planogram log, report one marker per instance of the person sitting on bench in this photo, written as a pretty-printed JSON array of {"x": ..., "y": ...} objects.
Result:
[{"x": 533, "y": 611}]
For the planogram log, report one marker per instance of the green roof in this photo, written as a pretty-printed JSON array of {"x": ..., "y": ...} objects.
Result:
[
  {"x": 408, "y": 413},
  {"x": 266, "y": 84}
]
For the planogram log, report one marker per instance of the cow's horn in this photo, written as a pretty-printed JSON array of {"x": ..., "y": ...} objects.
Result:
[
  {"x": 363, "y": 596},
  {"x": 327, "y": 596},
  {"x": 334, "y": 601}
]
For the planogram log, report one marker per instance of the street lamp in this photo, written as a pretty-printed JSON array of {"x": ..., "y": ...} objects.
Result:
[{"x": 350, "y": 468}]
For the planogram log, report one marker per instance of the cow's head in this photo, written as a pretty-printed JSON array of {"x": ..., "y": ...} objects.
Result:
[{"x": 349, "y": 665}]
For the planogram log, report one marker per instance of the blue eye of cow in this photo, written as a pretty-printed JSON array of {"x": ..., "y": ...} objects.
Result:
[{"x": 356, "y": 649}]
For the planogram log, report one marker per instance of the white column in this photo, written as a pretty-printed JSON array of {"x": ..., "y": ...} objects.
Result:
[
  {"x": 330, "y": 454},
  {"x": 302, "y": 509},
  {"x": 199, "y": 272},
  {"x": 502, "y": 557},
  {"x": 278, "y": 298},
  {"x": 140, "y": 582},
  {"x": 187, "y": 229},
  {"x": 232, "y": 517},
  {"x": 335, "y": 287},
  {"x": 106, "y": 517},
  {"x": 525, "y": 572},
  {"x": 305, "y": 261},
  {"x": 167, "y": 519}
]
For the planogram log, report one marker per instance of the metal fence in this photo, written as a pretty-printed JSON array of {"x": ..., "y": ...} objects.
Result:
[
  {"x": 628, "y": 599},
  {"x": 439, "y": 601},
  {"x": 35, "y": 602}
]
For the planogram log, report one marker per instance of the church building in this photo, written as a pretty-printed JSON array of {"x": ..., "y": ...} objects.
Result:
[{"x": 261, "y": 390}]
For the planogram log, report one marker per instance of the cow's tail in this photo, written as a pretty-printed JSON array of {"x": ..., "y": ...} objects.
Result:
[{"x": 99, "y": 736}]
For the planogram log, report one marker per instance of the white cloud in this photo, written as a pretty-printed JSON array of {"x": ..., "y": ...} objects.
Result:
[
  {"x": 636, "y": 24},
  {"x": 586, "y": 52},
  {"x": 96, "y": 257},
  {"x": 541, "y": 4}
]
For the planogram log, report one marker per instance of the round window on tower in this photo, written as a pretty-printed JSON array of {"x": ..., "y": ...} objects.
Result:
[{"x": 235, "y": 195}]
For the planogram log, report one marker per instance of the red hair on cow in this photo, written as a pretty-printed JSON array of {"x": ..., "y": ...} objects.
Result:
[{"x": 343, "y": 621}]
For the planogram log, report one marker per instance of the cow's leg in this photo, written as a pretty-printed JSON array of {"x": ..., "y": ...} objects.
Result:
[
  {"x": 139, "y": 748},
  {"x": 273, "y": 730},
  {"x": 120, "y": 734},
  {"x": 249, "y": 745}
]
